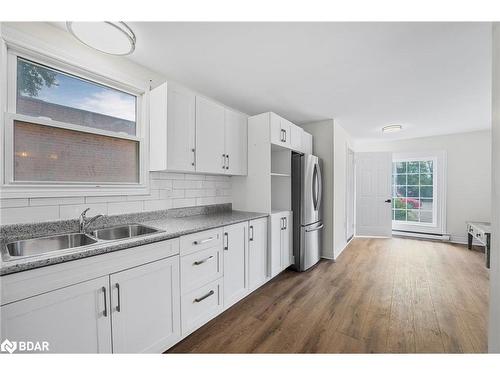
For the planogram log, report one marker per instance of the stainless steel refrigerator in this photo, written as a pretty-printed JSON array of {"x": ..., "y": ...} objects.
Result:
[{"x": 306, "y": 206}]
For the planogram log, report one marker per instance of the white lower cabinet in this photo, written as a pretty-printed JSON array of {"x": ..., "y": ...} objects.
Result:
[
  {"x": 201, "y": 305},
  {"x": 145, "y": 306},
  {"x": 280, "y": 242},
  {"x": 257, "y": 253},
  {"x": 235, "y": 248},
  {"x": 75, "y": 319}
]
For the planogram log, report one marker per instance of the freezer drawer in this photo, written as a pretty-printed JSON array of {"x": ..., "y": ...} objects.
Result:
[{"x": 310, "y": 246}]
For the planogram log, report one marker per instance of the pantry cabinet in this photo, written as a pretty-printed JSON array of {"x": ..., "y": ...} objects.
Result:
[
  {"x": 235, "y": 249},
  {"x": 145, "y": 307},
  {"x": 74, "y": 319},
  {"x": 257, "y": 253},
  {"x": 296, "y": 138}
]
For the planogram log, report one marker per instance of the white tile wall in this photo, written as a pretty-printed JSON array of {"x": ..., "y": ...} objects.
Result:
[{"x": 168, "y": 190}]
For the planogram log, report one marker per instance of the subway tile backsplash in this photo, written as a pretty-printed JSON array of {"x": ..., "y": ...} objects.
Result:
[{"x": 168, "y": 190}]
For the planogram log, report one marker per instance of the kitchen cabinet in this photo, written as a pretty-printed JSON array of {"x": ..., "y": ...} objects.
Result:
[
  {"x": 74, "y": 319},
  {"x": 172, "y": 129},
  {"x": 281, "y": 244},
  {"x": 307, "y": 143},
  {"x": 296, "y": 138},
  {"x": 257, "y": 253},
  {"x": 145, "y": 307},
  {"x": 235, "y": 249},
  {"x": 210, "y": 138},
  {"x": 280, "y": 130},
  {"x": 235, "y": 143}
]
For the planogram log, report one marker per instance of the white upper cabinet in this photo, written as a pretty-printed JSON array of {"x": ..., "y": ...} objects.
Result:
[
  {"x": 296, "y": 138},
  {"x": 307, "y": 143},
  {"x": 172, "y": 129},
  {"x": 210, "y": 138},
  {"x": 236, "y": 143},
  {"x": 190, "y": 133}
]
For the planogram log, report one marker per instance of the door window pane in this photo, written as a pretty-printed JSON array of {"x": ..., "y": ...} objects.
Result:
[
  {"x": 50, "y": 154},
  {"x": 50, "y": 93},
  {"x": 413, "y": 191}
]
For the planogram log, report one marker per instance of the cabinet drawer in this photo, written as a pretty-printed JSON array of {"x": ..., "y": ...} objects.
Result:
[
  {"x": 200, "y": 268},
  {"x": 200, "y": 241},
  {"x": 201, "y": 305}
]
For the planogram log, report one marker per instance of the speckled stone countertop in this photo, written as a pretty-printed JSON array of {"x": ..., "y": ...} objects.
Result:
[{"x": 172, "y": 223}]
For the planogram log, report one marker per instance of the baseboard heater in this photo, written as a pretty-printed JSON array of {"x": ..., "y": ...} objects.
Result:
[{"x": 429, "y": 236}]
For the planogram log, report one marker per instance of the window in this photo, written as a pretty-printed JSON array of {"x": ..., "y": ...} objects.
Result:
[
  {"x": 65, "y": 128},
  {"x": 413, "y": 191}
]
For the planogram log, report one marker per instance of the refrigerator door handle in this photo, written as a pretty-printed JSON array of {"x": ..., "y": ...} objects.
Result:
[
  {"x": 316, "y": 228},
  {"x": 319, "y": 186},
  {"x": 315, "y": 187}
]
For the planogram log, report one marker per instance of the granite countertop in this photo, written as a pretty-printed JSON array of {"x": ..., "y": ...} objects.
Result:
[{"x": 171, "y": 227}]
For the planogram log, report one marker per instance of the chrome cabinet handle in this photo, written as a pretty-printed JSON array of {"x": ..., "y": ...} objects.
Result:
[
  {"x": 198, "y": 262},
  {"x": 203, "y": 241},
  {"x": 193, "y": 150},
  {"x": 286, "y": 222},
  {"x": 205, "y": 296},
  {"x": 105, "y": 312},
  {"x": 223, "y": 161},
  {"x": 284, "y": 131},
  {"x": 226, "y": 238},
  {"x": 118, "y": 306},
  {"x": 251, "y": 233},
  {"x": 227, "y": 157},
  {"x": 282, "y": 223}
]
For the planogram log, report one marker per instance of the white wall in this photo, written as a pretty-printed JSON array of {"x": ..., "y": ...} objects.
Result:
[
  {"x": 468, "y": 176},
  {"x": 167, "y": 189},
  {"x": 494, "y": 321},
  {"x": 342, "y": 141},
  {"x": 322, "y": 132}
]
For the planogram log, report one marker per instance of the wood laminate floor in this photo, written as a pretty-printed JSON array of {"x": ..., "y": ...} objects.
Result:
[{"x": 382, "y": 295}]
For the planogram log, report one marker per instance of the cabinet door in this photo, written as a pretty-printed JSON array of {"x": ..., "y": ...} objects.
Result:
[
  {"x": 286, "y": 127},
  {"x": 235, "y": 243},
  {"x": 275, "y": 129},
  {"x": 276, "y": 225},
  {"x": 146, "y": 307},
  {"x": 236, "y": 143},
  {"x": 209, "y": 137},
  {"x": 307, "y": 145},
  {"x": 296, "y": 138},
  {"x": 257, "y": 253},
  {"x": 180, "y": 129},
  {"x": 75, "y": 319},
  {"x": 286, "y": 241}
]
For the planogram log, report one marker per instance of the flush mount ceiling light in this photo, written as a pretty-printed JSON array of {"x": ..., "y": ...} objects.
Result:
[
  {"x": 391, "y": 128},
  {"x": 114, "y": 38}
]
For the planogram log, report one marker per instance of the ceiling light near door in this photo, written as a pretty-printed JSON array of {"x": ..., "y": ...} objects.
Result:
[
  {"x": 114, "y": 38},
  {"x": 391, "y": 128}
]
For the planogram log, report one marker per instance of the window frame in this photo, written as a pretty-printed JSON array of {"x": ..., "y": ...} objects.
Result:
[
  {"x": 438, "y": 224},
  {"x": 15, "y": 189}
]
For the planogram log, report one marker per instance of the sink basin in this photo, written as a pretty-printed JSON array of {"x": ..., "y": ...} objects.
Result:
[
  {"x": 123, "y": 231},
  {"x": 38, "y": 246}
]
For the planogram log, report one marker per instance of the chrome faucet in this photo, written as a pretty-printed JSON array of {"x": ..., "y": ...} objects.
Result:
[{"x": 84, "y": 222}]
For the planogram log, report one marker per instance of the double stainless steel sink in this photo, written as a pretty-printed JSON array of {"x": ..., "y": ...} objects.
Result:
[{"x": 43, "y": 245}]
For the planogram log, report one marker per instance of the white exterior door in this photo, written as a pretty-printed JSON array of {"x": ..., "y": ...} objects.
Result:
[
  {"x": 146, "y": 307},
  {"x": 350, "y": 189},
  {"x": 209, "y": 136},
  {"x": 235, "y": 241},
  {"x": 257, "y": 253},
  {"x": 236, "y": 143},
  {"x": 75, "y": 319},
  {"x": 373, "y": 194}
]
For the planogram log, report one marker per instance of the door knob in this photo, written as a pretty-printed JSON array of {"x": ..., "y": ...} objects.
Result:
[{"x": 388, "y": 201}]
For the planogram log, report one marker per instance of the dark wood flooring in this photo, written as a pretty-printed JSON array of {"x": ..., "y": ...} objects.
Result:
[{"x": 381, "y": 296}]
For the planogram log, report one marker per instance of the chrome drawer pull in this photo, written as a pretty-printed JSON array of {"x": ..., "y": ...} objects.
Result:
[
  {"x": 203, "y": 241},
  {"x": 105, "y": 312},
  {"x": 205, "y": 296},
  {"x": 118, "y": 306},
  {"x": 198, "y": 262}
]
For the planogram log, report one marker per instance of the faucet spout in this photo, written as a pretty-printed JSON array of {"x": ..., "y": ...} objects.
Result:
[{"x": 85, "y": 222}]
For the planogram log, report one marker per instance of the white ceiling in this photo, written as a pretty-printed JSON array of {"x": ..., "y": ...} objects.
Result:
[{"x": 432, "y": 78}]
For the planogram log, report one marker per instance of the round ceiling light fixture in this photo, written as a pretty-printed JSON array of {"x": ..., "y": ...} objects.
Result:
[
  {"x": 113, "y": 38},
  {"x": 391, "y": 128}
]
